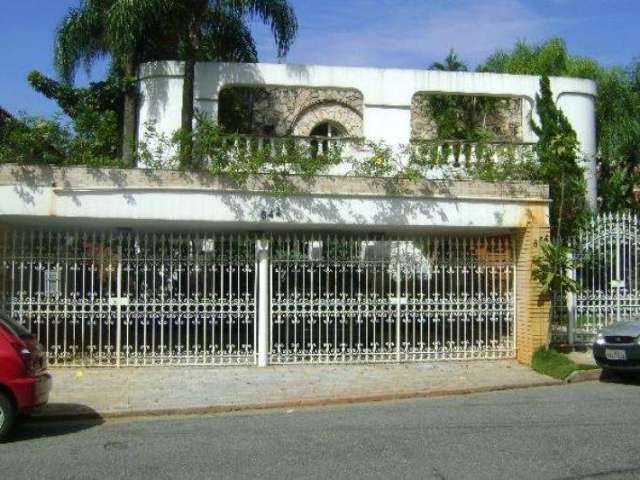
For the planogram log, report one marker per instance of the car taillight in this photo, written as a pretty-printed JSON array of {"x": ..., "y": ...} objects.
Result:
[{"x": 27, "y": 357}]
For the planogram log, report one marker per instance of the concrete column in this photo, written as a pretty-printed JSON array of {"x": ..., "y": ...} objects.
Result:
[
  {"x": 580, "y": 110},
  {"x": 533, "y": 308},
  {"x": 571, "y": 310},
  {"x": 264, "y": 299}
]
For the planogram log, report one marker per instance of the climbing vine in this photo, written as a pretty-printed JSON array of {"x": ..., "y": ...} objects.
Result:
[{"x": 238, "y": 157}]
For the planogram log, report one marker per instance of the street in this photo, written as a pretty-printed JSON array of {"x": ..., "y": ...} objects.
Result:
[{"x": 567, "y": 432}]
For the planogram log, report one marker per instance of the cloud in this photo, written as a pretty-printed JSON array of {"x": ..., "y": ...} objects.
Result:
[{"x": 409, "y": 33}]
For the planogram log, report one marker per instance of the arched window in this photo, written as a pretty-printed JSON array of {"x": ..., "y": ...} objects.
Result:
[
  {"x": 328, "y": 129},
  {"x": 322, "y": 135}
]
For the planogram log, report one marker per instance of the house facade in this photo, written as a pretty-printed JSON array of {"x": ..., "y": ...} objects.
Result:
[
  {"x": 379, "y": 105},
  {"x": 160, "y": 267}
]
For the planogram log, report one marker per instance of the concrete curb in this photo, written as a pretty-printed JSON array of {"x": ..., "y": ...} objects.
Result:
[
  {"x": 577, "y": 376},
  {"x": 82, "y": 414}
]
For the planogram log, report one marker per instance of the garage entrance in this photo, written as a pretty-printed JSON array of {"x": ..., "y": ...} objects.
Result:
[
  {"x": 363, "y": 298},
  {"x": 134, "y": 299},
  {"x": 105, "y": 299}
]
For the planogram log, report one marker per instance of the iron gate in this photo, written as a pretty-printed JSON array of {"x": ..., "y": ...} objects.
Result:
[
  {"x": 103, "y": 299},
  {"x": 362, "y": 298},
  {"x": 607, "y": 276}
]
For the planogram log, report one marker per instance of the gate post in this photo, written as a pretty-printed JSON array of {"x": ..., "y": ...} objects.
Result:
[
  {"x": 119, "y": 305},
  {"x": 533, "y": 307},
  {"x": 264, "y": 297},
  {"x": 571, "y": 306}
]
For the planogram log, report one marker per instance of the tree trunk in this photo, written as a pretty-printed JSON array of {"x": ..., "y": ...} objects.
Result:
[
  {"x": 129, "y": 119},
  {"x": 186, "y": 142},
  {"x": 560, "y": 211},
  {"x": 192, "y": 45}
]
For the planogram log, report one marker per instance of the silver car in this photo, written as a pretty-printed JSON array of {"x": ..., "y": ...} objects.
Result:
[{"x": 617, "y": 347}]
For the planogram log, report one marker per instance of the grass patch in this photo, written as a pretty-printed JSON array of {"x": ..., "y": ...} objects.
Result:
[{"x": 552, "y": 363}]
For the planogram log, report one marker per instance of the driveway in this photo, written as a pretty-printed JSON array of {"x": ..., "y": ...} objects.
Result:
[{"x": 588, "y": 430}]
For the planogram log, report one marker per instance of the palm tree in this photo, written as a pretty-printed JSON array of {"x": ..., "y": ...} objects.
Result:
[
  {"x": 131, "y": 32},
  {"x": 122, "y": 30},
  {"x": 201, "y": 23},
  {"x": 452, "y": 63}
]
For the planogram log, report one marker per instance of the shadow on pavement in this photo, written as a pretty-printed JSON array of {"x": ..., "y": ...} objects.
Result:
[
  {"x": 56, "y": 420},
  {"x": 623, "y": 378}
]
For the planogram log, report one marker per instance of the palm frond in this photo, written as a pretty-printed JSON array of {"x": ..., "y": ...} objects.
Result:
[
  {"x": 277, "y": 14},
  {"x": 80, "y": 39},
  {"x": 227, "y": 38},
  {"x": 131, "y": 23}
]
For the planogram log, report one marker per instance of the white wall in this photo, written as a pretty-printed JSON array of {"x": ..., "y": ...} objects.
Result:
[
  {"x": 187, "y": 207},
  {"x": 580, "y": 111},
  {"x": 387, "y": 95}
]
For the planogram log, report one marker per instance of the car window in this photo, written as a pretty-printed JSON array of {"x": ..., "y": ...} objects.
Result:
[{"x": 14, "y": 327}]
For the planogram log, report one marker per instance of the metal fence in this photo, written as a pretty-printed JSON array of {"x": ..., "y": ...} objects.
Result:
[
  {"x": 606, "y": 254},
  {"x": 133, "y": 299},
  {"x": 126, "y": 298},
  {"x": 346, "y": 298}
]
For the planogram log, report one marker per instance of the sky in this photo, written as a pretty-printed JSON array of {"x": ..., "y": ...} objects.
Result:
[{"x": 380, "y": 33}]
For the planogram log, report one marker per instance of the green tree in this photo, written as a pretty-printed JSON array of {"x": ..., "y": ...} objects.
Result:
[
  {"x": 32, "y": 141},
  {"x": 125, "y": 31},
  {"x": 459, "y": 117},
  {"x": 549, "y": 58},
  {"x": 95, "y": 112},
  {"x": 618, "y": 114},
  {"x": 130, "y": 32},
  {"x": 452, "y": 63},
  {"x": 557, "y": 152},
  {"x": 617, "y": 110},
  {"x": 196, "y": 23}
]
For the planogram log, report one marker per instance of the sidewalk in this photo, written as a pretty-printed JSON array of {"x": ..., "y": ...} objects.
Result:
[{"x": 184, "y": 390}]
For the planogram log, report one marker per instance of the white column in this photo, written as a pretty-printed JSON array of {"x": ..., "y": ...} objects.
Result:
[
  {"x": 264, "y": 298},
  {"x": 571, "y": 308},
  {"x": 118, "y": 301},
  {"x": 580, "y": 111}
]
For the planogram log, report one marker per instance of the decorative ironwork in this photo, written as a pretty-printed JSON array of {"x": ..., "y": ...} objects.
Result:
[
  {"x": 103, "y": 299},
  {"x": 133, "y": 299},
  {"x": 346, "y": 298},
  {"x": 607, "y": 274}
]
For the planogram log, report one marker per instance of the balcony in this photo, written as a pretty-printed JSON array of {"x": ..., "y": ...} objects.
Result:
[
  {"x": 464, "y": 159},
  {"x": 433, "y": 159}
]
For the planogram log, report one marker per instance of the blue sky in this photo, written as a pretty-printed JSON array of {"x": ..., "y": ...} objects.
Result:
[{"x": 384, "y": 33}]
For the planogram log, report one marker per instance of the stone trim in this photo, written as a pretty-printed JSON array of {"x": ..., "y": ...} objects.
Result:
[{"x": 83, "y": 178}]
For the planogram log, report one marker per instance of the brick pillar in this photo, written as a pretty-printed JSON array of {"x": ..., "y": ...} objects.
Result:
[{"x": 533, "y": 309}]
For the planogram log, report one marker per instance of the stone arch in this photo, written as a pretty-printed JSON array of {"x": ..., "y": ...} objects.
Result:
[
  {"x": 329, "y": 128},
  {"x": 335, "y": 112}
]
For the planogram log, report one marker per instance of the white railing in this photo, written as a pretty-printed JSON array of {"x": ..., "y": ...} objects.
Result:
[
  {"x": 460, "y": 158},
  {"x": 436, "y": 158},
  {"x": 338, "y": 154},
  {"x": 283, "y": 146}
]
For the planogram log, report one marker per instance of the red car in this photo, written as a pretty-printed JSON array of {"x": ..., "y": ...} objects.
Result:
[{"x": 24, "y": 381}]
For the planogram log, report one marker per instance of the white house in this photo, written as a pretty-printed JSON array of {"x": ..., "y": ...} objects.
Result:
[
  {"x": 387, "y": 96},
  {"x": 152, "y": 267}
]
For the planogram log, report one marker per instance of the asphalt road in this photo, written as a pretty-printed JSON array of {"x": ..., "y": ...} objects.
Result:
[{"x": 566, "y": 432}]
